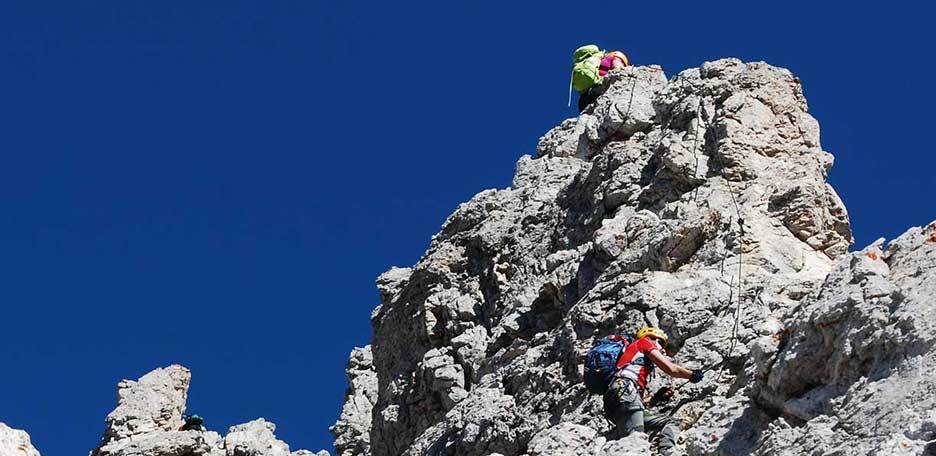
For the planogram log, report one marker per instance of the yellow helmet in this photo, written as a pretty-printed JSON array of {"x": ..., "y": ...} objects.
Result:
[
  {"x": 653, "y": 332},
  {"x": 620, "y": 56}
]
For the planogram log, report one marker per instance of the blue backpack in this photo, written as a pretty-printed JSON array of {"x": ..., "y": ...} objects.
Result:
[{"x": 601, "y": 362}]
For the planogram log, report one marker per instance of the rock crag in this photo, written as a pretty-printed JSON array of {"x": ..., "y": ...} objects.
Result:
[
  {"x": 14, "y": 442},
  {"x": 698, "y": 204},
  {"x": 149, "y": 414}
]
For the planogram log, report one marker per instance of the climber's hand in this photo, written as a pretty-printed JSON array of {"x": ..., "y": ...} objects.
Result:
[{"x": 696, "y": 376}]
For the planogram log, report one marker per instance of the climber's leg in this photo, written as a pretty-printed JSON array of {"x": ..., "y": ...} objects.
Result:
[
  {"x": 624, "y": 408},
  {"x": 632, "y": 421},
  {"x": 586, "y": 98},
  {"x": 664, "y": 426},
  {"x": 627, "y": 422}
]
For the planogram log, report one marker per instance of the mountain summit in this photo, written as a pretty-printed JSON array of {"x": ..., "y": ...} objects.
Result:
[{"x": 697, "y": 204}]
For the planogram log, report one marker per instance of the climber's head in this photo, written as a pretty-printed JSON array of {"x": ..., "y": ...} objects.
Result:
[
  {"x": 656, "y": 333},
  {"x": 618, "y": 59}
]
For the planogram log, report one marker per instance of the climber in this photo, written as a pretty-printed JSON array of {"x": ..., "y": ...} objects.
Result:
[
  {"x": 610, "y": 61},
  {"x": 589, "y": 66},
  {"x": 193, "y": 423},
  {"x": 623, "y": 401}
]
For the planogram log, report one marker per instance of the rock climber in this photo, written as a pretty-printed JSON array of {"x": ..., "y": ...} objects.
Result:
[
  {"x": 193, "y": 423},
  {"x": 589, "y": 66},
  {"x": 623, "y": 401}
]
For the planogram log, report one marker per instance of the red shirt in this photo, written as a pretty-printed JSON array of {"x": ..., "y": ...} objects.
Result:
[{"x": 635, "y": 362}]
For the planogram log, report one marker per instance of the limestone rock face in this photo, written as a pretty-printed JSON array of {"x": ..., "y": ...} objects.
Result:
[
  {"x": 861, "y": 351},
  {"x": 14, "y": 442},
  {"x": 698, "y": 204},
  {"x": 352, "y": 431},
  {"x": 149, "y": 414},
  {"x": 153, "y": 403},
  {"x": 255, "y": 438}
]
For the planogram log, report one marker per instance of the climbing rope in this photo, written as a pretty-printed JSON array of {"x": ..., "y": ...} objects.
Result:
[
  {"x": 695, "y": 149},
  {"x": 737, "y": 209},
  {"x": 737, "y": 320},
  {"x": 734, "y": 203},
  {"x": 624, "y": 115}
]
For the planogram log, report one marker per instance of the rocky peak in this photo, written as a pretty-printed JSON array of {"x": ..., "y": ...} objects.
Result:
[
  {"x": 149, "y": 415},
  {"x": 151, "y": 404},
  {"x": 14, "y": 442},
  {"x": 697, "y": 203}
]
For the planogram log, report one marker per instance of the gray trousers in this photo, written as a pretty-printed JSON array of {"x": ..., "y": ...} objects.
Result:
[{"x": 624, "y": 408}]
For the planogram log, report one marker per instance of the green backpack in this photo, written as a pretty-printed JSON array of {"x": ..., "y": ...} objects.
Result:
[{"x": 585, "y": 63}]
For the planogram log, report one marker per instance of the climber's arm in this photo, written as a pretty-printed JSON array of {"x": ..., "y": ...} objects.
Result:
[{"x": 666, "y": 365}]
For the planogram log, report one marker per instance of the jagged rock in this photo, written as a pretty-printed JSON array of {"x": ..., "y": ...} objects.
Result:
[
  {"x": 565, "y": 439},
  {"x": 166, "y": 443},
  {"x": 568, "y": 439},
  {"x": 700, "y": 205},
  {"x": 729, "y": 426},
  {"x": 445, "y": 377},
  {"x": 151, "y": 404},
  {"x": 14, "y": 442},
  {"x": 859, "y": 359},
  {"x": 636, "y": 444},
  {"x": 483, "y": 424},
  {"x": 352, "y": 431},
  {"x": 624, "y": 107},
  {"x": 149, "y": 413},
  {"x": 255, "y": 438}
]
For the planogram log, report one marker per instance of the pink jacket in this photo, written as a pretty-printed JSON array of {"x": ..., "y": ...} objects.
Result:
[{"x": 607, "y": 63}]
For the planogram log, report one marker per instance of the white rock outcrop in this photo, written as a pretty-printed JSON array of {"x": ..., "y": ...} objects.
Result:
[
  {"x": 14, "y": 442},
  {"x": 352, "y": 428},
  {"x": 154, "y": 403},
  {"x": 698, "y": 204},
  {"x": 149, "y": 414}
]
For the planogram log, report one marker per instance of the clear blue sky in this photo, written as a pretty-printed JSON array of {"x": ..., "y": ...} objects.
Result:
[{"x": 218, "y": 183}]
